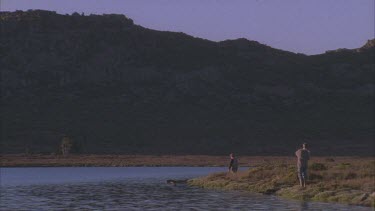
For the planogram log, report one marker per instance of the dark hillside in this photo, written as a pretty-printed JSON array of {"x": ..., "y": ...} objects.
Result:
[{"x": 117, "y": 87}]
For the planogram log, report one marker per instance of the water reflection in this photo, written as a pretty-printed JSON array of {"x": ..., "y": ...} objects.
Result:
[
  {"x": 304, "y": 206},
  {"x": 143, "y": 193}
]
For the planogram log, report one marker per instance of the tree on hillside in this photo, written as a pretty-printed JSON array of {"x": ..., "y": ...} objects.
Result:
[
  {"x": 66, "y": 145},
  {"x": 70, "y": 146}
]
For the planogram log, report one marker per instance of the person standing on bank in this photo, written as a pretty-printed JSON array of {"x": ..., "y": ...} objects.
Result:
[
  {"x": 233, "y": 165},
  {"x": 303, "y": 156}
]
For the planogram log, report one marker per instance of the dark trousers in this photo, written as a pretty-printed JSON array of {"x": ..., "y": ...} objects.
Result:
[{"x": 302, "y": 172}]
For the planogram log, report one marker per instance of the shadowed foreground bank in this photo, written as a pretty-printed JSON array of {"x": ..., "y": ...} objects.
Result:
[{"x": 349, "y": 181}]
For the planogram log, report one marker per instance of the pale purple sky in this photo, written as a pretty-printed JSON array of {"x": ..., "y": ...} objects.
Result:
[{"x": 301, "y": 26}]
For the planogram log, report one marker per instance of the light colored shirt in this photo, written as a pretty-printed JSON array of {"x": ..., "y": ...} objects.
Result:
[{"x": 303, "y": 155}]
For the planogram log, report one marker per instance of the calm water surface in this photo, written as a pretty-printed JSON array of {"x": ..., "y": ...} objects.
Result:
[{"x": 131, "y": 188}]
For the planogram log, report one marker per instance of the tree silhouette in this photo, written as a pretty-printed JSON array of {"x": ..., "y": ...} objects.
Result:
[{"x": 66, "y": 145}]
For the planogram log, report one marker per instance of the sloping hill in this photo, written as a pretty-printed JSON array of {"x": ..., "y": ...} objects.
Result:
[{"x": 117, "y": 87}]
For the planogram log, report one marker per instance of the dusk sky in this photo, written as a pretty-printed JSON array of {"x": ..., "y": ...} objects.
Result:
[{"x": 300, "y": 26}]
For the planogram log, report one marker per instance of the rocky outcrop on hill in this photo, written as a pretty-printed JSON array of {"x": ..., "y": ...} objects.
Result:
[
  {"x": 370, "y": 45},
  {"x": 121, "y": 88}
]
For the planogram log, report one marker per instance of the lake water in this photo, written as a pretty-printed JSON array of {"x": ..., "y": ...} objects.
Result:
[{"x": 131, "y": 188}]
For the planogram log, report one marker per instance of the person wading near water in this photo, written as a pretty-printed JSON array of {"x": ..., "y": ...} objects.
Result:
[
  {"x": 303, "y": 156},
  {"x": 233, "y": 165}
]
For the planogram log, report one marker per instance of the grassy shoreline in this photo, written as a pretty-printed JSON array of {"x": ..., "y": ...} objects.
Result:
[
  {"x": 97, "y": 160},
  {"x": 348, "y": 180},
  {"x": 341, "y": 180},
  {"x": 94, "y": 160}
]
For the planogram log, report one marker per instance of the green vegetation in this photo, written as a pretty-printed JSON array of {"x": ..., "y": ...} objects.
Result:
[{"x": 328, "y": 182}]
